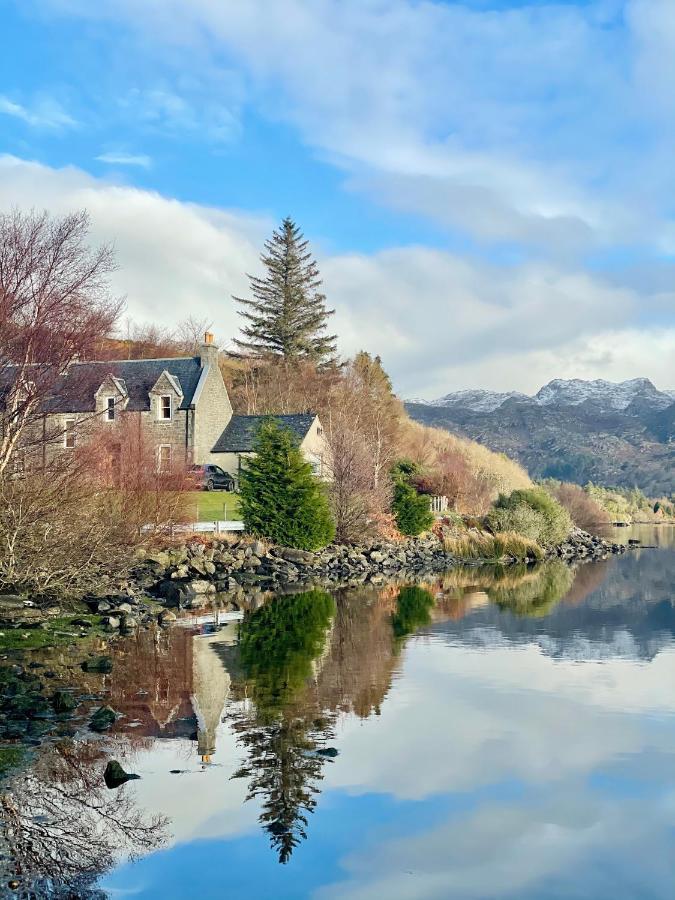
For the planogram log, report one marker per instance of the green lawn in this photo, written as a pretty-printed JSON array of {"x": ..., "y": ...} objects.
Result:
[{"x": 215, "y": 505}]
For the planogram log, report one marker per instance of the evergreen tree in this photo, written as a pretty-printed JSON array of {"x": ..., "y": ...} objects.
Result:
[
  {"x": 412, "y": 511},
  {"x": 287, "y": 314},
  {"x": 280, "y": 497}
]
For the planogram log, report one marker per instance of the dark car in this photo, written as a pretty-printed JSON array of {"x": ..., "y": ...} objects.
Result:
[{"x": 211, "y": 478}]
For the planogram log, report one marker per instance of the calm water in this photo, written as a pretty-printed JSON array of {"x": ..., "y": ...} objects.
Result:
[{"x": 481, "y": 735}]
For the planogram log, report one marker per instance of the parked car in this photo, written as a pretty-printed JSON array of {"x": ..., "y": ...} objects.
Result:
[{"x": 211, "y": 478}]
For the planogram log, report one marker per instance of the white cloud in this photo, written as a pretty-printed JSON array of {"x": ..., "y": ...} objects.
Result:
[
  {"x": 502, "y": 122},
  {"x": 43, "y": 113},
  {"x": 439, "y": 322},
  {"x": 119, "y": 158},
  {"x": 500, "y": 716}
]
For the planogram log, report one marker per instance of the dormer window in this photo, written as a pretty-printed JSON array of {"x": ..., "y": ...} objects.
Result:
[
  {"x": 110, "y": 409},
  {"x": 165, "y": 409}
]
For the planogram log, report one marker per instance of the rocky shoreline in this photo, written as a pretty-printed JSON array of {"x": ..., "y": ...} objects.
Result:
[{"x": 195, "y": 575}]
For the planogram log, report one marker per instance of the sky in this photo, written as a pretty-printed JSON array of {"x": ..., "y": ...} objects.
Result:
[{"x": 488, "y": 185}]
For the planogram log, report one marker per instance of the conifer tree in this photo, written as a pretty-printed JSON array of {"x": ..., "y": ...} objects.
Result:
[
  {"x": 280, "y": 497},
  {"x": 412, "y": 511},
  {"x": 287, "y": 314}
]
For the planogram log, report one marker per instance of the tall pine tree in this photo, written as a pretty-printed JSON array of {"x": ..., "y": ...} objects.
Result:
[{"x": 287, "y": 314}]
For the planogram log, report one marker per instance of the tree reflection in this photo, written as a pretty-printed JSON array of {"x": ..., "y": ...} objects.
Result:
[
  {"x": 280, "y": 651},
  {"x": 413, "y": 611},
  {"x": 63, "y": 828},
  {"x": 537, "y": 593}
]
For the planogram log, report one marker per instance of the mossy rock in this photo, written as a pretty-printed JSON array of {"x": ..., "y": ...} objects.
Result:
[
  {"x": 103, "y": 719},
  {"x": 114, "y": 775}
]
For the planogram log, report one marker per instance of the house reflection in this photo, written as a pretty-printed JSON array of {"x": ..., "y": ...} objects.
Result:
[{"x": 211, "y": 684}]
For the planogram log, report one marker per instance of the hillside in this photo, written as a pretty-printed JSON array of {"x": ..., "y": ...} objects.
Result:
[{"x": 612, "y": 434}]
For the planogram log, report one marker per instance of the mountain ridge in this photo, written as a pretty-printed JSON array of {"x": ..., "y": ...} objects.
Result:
[{"x": 612, "y": 433}]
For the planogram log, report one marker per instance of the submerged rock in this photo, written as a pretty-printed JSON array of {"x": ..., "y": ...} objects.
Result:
[
  {"x": 114, "y": 775},
  {"x": 63, "y": 701},
  {"x": 103, "y": 719},
  {"x": 102, "y": 664}
]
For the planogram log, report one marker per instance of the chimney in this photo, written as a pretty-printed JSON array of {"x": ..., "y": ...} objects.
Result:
[{"x": 208, "y": 352}]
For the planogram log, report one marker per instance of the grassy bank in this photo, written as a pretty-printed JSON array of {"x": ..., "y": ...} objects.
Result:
[{"x": 210, "y": 506}]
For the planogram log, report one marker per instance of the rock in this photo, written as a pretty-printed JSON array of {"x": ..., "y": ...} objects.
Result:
[
  {"x": 103, "y": 606},
  {"x": 200, "y": 586},
  {"x": 166, "y": 617},
  {"x": 111, "y": 623},
  {"x": 81, "y": 623},
  {"x": 114, "y": 775},
  {"x": 102, "y": 664},
  {"x": 103, "y": 719},
  {"x": 296, "y": 556},
  {"x": 129, "y": 623},
  {"x": 122, "y": 609},
  {"x": 258, "y": 548},
  {"x": 63, "y": 701},
  {"x": 159, "y": 558}
]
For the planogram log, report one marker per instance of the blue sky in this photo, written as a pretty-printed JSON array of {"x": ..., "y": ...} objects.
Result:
[{"x": 488, "y": 185}]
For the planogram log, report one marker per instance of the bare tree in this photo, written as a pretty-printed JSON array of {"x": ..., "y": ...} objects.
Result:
[
  {"x": 63, "y": 827},
  {"x": 55, "y": 303}
]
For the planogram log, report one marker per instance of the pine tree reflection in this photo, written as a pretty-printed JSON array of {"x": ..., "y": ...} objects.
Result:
[
  {"x": 62, "y": 828},
  {"x": 281, "y": 648}
]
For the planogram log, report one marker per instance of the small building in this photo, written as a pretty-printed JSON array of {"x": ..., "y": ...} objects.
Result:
[{"x": 238, "y": 439}]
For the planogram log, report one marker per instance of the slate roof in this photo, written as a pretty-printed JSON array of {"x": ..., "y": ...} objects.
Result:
[
  {"x": 74, "y": 392},
  {"x": 241, "y": 431}
]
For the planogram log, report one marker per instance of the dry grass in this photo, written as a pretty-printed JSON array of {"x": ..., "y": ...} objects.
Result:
[{"x": 481, "y": 545}]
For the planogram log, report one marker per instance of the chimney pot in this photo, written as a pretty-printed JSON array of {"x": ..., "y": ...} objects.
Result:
[{"x": 208, "y": 337}]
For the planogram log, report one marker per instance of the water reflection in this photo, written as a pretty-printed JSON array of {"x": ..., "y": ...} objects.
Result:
[
  {"x": 486, "y": 733},
  {"x": 280, "y": 653},
  {"x": 62, "y": 827}
]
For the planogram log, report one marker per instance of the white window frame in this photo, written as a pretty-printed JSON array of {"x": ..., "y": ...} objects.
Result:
[
  {"x": 162, "y": 469},
  {"x": 69, "y": 433},
  {"x": 110, "y": 409},
  {"x": 160, "y": 407}
]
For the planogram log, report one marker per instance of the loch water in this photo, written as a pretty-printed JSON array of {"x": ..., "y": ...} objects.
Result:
[{"x": 481, "y": 734}]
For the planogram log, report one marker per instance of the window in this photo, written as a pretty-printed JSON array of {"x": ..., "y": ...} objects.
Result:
[
  {"x": 164, "y": 458},
  {"x": 110, "y": 409},
  {"x": 69, "y": 434},
  {"x": 319, "y": 430},
  {"x": 165, "y": 407}
]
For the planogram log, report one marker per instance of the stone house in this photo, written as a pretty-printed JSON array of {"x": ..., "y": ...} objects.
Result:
[{"x": 181, "y": 405}]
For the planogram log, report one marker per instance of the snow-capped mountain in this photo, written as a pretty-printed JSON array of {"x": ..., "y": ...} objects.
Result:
[
  {"x": 606, "y": 395},
  {"x": 613, "y": 434},
  {"x": 477, "y": 400}
]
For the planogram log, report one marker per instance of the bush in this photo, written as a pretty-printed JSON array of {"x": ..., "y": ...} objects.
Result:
[
  {"x": 412, "y": 511},
  {"x": 534, "y": 513},
  {"x": 280, "y": 497},
  {"x": 584, "y": 511}
]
